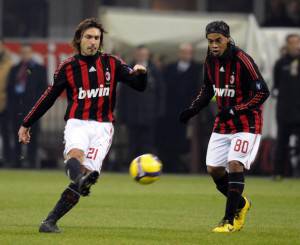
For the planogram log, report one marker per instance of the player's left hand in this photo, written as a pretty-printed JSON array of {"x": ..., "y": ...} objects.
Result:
[
  {"x": 227, "y": 113},
  {"x": 24, "y": 135},
  {"x": 138, "y": 69}
]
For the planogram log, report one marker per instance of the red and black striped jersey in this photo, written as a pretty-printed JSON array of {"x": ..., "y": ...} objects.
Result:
[
  {"x": 235, "y": 81},
  {"x": 90, "y": 83}
]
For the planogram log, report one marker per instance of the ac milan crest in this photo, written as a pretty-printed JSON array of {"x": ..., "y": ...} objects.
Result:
[
  {"x": 231, "y": 80},
  {"x": 107, "y": 76}
]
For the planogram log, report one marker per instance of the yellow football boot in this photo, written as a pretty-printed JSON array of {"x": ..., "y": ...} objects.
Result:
[
  {"x": 240, "y": 217},
  {"x": 224, "y": 227}
]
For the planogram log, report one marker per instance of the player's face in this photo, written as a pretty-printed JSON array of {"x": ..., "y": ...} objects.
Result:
[
  {"x": 90, "y": 42},
  {"x": 217, "y": 43}
]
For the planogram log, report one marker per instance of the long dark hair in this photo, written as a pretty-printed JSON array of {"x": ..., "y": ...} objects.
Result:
[{"x": 82, "y": 27}]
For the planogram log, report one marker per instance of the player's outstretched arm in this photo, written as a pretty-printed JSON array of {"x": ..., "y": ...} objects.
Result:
[
  {"x": 202, "y": 100},
  {"x": 24, "y": 135},
  {"x": 38, "y": 110},
  {"x": 49, "y": 96},
  {"x": 42, "y": 105},
  {"x": 135, "y": 77}
]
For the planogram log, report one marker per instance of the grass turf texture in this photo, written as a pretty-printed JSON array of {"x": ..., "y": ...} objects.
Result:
[{"x": 175, "y": 210}]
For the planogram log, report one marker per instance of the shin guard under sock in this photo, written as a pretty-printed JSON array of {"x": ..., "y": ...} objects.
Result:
[
  {"x": 222, "y": 186},
  {"x": 235, "y": 190},
  {"x": 73, "y": 169}
]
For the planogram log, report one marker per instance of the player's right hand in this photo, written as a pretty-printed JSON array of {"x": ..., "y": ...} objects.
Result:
[
  {"x": 24, "y": 135},
  {"x": 187, "y": 114},
  {"x": 138, "y": 69}
]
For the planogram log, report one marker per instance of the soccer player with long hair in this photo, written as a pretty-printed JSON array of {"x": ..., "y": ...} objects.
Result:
[{"x": 90, "y": 79}]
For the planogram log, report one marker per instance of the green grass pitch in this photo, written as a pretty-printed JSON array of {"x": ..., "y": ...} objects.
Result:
[{"x": 178, "y": 209}]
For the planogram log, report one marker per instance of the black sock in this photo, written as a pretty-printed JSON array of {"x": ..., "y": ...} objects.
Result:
[
  {"x": 73, "y": 169},
  {"x": 69, "y": 198},
  {"x": 242, "y": 203},
  {"x": 235, "y": 190},
  {"x": 222, "y": 186}
]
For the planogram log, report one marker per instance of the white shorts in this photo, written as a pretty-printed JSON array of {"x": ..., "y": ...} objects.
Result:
[
  {"x": 92, "y": 137},
  {"x": 223, "y": 148}
]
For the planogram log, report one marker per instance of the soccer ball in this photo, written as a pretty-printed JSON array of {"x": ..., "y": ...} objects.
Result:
[{"x": 145, "y": 169}]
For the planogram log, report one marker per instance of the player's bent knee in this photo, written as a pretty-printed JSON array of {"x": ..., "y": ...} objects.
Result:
[
  {"x": 76, "y": 153},
  {"x": 235, "y": 166},
  {"x": 210, "y": 169},
  {"x": 216, "y": 171}
]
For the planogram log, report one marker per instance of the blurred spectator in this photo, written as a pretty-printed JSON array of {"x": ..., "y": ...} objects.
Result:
[
  {"x": 283, "y": 51},
  {"x": 293, "y": 13},
  {"x": 140, "y": 113},
  {"x": 286, "y": 89},
  {"x": 26, "y": 82},
  {"x": 182, "y": 80},
  {"x": 5, "y": 65},
  {"x": 282, "y": 13},
  {"x": 159, "y": 61}
]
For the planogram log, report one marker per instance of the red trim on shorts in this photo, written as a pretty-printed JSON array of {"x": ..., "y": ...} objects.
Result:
[{"x": 250, "y": 152}]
